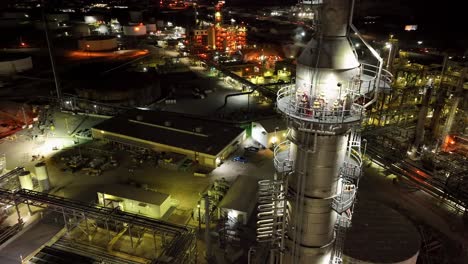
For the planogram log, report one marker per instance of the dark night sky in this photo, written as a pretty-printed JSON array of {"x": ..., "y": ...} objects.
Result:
[{"x": 440, "y": 20}]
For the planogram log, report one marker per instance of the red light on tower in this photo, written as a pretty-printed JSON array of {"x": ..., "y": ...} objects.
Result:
[{"x": 23, "y": 44}]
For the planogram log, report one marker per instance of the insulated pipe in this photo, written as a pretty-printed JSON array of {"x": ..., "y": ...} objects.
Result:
[{"x": 379, "y": 72}]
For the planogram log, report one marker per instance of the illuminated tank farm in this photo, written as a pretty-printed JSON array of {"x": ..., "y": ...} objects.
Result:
[{"x": 304, "y": 212}]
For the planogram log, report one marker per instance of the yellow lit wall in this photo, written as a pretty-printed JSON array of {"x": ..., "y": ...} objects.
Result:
[
  {"x": 137, "y": 207},
  {"x": 203, "y": 158}
]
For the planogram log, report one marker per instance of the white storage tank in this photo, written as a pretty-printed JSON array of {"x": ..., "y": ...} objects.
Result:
[
  {"x": 97, "y": 43},
  {"x": 14, "y": 63},
  {"x": 42, "y": 176},
  {"x": 25, "y": 180},
  {"x": 103, "y": 30},
  {"x": 380, "y": 234},
  {"x": 134, "y": 30},
  {"x": 150, "y": 27},
  {"x": 91, "y": 19}
]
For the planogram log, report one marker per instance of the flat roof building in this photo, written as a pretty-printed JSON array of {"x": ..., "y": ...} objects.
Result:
[
  {"x": 206, "y": 141},
  {"x": 134, "y": 200},
  {"x": 269, "y": 132},
  {"x": 241, "y": 198}
]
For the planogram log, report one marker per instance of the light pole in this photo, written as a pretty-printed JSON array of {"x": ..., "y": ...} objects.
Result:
[
  {"x": 199, "y": 216},
  {"x": 389, "y": 47}
]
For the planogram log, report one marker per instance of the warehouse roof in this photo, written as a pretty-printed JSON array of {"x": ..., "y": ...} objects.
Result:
[
  {"x": 173, "y": 129},
  {"x": 133, "y": 193},
  {"x": 272, "y": 123},
  {"x": 242, "y": 195}
]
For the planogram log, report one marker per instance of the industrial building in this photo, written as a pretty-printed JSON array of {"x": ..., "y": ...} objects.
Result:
[
  {"x": 237, "y": 204},
  {"x": 204, "y": 141},
  {"x": 219, "y": 36},
  {"x": 134, "y": 200},
  {"x": 269, "y": 132}
]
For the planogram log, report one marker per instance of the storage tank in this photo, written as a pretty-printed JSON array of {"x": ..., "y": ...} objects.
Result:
[
  {"x": 81, "y": 30},
  {"x": 42, "y": 176},
  {"x": 103, "y": 30},
  {"x": 91, "y": 19},
  {"x": 150, "y": 27},
  {"x": 25, "y": 180},
  {"x": 380, "y": 234},
  {"x": 11, "y": 63},
  {"x": 2, "y": 163},
  {"x": 134, "y": 30},
  {"x": 129, "y": 89},
  {"x": 97, "y": 43}
]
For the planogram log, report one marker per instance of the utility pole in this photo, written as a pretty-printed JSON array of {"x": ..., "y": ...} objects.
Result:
[
  {"x": 52, "y": 61},
  {"x": 199, "y": 216}
]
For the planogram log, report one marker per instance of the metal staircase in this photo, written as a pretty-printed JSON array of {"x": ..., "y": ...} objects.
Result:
[{"x": 271, "y": 212}]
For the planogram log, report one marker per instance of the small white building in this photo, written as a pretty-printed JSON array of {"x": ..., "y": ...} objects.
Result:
[
  {"x": 269, "y": 132},
  {"x": 134, "y": 200}
]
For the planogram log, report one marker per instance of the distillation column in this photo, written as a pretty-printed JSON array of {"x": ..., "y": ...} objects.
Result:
[
  {"x": 304, "y": 211},
  {"x": 321, "y": 114}
]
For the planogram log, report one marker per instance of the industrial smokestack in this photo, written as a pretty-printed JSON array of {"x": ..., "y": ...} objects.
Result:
[{"x": 321, "y": 164}]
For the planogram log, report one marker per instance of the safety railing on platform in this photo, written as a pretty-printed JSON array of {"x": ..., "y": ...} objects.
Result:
[
  {"x": 345, "y": 198},
  {"x": 315, "y": 110},
  {"x": 282, "y": 159},
  {"x": 372, "y": 70}
]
